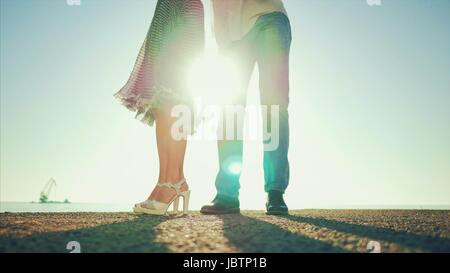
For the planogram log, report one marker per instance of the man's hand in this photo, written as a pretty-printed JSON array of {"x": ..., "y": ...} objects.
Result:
[{"x": 226, "y": 13}]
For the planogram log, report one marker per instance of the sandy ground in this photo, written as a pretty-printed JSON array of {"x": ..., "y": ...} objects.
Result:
[{"x": 252, "y": 231}]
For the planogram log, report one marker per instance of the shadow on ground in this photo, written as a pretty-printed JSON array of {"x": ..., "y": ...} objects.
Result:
[
  {"x": 252, "y": 235},
  {"x": 403, "y": 238},
  {"x": 243, "y": 233},
  {"x": 135, "y": 235}
]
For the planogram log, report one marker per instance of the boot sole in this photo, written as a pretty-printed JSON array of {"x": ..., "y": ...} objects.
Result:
[
  {"x": 215, "y": 212},
  {"x": 277, "y": 213}
]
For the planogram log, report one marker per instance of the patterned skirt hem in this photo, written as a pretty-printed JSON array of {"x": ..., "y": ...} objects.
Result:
[{"x": 144, "y": 107}]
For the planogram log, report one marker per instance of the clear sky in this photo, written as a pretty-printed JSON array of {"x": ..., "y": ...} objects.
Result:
[{"x": 369, "y": 112}]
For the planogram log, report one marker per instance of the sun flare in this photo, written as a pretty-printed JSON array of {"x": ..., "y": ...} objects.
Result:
[{"x": 214, "y": 79}]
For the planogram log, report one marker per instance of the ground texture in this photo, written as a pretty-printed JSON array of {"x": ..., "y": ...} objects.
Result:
[{"x": 251, "y": 231}]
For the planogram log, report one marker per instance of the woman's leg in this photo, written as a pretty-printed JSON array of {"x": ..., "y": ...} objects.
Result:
[
  {"x": 171, "y": 154},
  {"x": 161, "y": 143}
]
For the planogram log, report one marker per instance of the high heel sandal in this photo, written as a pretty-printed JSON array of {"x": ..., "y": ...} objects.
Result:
[{"x": 160, "y": 208}]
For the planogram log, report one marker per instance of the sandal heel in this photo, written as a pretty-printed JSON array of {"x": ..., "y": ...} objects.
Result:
[
  {"x": 160, "y": 208},
  {"x": 176, "y": 204},
  {"x": 186, "y": 196}
]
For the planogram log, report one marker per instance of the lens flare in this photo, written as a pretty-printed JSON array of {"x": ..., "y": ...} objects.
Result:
[
  {"x": 215, "y": 79},
  {"x": 235, "y": 168}
]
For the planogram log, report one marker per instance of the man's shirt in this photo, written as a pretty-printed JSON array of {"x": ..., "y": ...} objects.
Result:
[{"x": 235, "y": 18}]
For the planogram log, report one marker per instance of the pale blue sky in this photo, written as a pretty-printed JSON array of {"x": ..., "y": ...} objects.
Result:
[{"x": 370, "y": 105}]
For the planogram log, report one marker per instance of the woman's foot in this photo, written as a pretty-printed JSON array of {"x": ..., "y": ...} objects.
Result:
[
  {"x": 162, "y": 194},
  {"x": 166, "y": 195}
]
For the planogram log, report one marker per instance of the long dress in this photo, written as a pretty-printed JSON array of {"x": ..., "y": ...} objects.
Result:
[{"x": 160, "y": 74}]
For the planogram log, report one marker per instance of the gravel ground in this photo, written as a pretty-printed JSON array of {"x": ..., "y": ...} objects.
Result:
[{"x": 251, "y": 231}]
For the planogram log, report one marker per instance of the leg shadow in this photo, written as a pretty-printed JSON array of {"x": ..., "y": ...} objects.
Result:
[
  {"x": 135, "y": 235},
  {"x": 412, "y": 240},
  {"x": 252, "y": 235}
]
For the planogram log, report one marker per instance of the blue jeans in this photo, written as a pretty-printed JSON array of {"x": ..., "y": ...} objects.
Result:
[{"x": 267, "y": 44}]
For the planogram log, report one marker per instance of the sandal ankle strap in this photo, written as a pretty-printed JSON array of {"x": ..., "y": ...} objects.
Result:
[{"x": 176, "y": 187}]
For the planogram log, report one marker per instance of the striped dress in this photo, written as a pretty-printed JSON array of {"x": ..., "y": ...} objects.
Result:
[{"x": 159, "y": 77}]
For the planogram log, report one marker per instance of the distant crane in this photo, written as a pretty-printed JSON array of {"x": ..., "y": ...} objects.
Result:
[{"x": 45, "y": 193}]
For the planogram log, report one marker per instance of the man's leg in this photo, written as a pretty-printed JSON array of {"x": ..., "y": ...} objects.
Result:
[
  {"x": 230, "y": 149},
  {"x": 230, "y": 161},
  {"x": 273, "y": 60}
]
